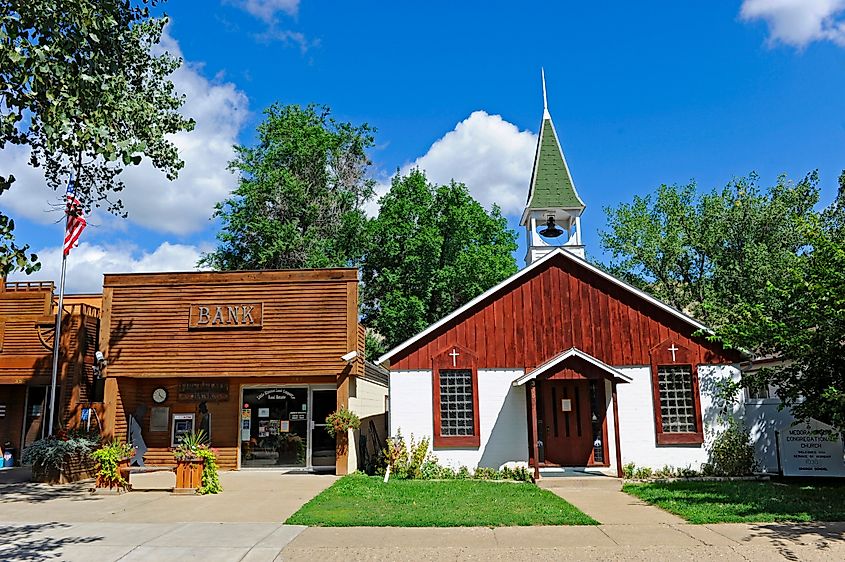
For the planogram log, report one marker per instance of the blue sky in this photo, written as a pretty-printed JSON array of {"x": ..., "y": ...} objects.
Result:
[{"x": 641, "y": 94}]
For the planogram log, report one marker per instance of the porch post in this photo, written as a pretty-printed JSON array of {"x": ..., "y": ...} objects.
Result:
[
  {"x": 534, "y": 437},
  {"x": 616, "y": 430}
]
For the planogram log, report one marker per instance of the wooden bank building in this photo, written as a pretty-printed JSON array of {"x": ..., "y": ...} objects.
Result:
[{"x": 256, "y": 360}]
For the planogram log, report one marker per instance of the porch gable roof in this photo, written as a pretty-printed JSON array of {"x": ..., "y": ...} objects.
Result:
[{"x": 616, "y": 374}]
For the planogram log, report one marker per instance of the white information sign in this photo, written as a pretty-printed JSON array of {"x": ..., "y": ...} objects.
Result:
[{"x": 811, "y": 449}]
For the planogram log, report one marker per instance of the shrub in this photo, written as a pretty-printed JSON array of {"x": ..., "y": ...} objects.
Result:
[
  {"x": 731, "y": 452},
  {"x": 406, "y": 461},
  {"x": 463, "y": 474},
  {"x": 668, "y": 471},
  {"x": 51, "y": 453},
  {"x": 688, "y": 472},
  {"x": 642, "y": 473},
  {"x": 628, "y": 470}
]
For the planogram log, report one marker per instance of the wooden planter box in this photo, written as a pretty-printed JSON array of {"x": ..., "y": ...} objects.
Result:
[
  {"x": 188, "y": 476},
  {"x": 74, "y": 469},
  {"x": 122, "y": 465}
]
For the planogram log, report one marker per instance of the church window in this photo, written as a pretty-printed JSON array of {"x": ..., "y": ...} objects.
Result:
[
  {"x": 456, "y": 404},
  {"x": 677, "y": 403},
  {"x": 455, "y": 389}
]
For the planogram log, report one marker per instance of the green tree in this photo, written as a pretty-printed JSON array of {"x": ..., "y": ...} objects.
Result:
[
  {"x": 299, "y": 201},
  {"x": 708, "y": 253},
  {"x": 431, "y": 249},
  {"x": 81, "y": 87},
  {"x": 807, "y": 330}
]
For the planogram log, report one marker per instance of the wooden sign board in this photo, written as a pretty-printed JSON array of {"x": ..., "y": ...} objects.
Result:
[
  {"x": 226, "y": 315},
  {"x": 203, "y": 391}
]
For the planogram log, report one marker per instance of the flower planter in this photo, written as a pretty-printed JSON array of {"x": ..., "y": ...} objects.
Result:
[
  {"x": 73, "y": 469},
  {"x": 102, "y": 483},
  {"x": 188, "y": 476}
]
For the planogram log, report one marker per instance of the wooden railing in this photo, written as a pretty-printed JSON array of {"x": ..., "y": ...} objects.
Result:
[{"x": 28, "y": 286}]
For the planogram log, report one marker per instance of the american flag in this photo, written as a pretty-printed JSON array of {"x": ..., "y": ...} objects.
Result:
[{"x": 75, "y": 221}]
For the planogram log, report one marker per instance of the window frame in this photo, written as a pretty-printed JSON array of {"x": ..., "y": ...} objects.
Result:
[
  {"x": 661, "y": 356},
  {"x": 465, "y": 361}
]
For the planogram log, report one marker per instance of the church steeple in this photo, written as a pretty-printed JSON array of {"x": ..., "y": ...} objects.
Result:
[{"x": 552, "y": 216}]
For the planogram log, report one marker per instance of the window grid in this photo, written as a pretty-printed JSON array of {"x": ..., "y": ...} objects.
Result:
[
  {"x": 677, "y": 403},
  {"x": 456, "y": 403}
]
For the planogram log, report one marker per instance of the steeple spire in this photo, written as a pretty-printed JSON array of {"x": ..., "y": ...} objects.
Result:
[
  {"x": 552, "y": 198},
  {"x": 546, "y": 114}
]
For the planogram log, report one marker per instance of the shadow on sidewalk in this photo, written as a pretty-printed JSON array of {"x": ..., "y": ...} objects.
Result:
[
  {"x": 32, "y": 541},
  {"x": 784, "y": 536},
  {"x": 35, "y": 492}
]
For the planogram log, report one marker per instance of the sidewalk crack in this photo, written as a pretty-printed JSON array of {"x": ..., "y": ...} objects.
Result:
[{"x": 601, "y": 528}]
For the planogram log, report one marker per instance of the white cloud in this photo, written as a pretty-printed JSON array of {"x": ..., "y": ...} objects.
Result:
[
  {"x": 87, "y": 263},
  {"x": 488, "y": 154},
  {"x": 266, "y": 10},
  {"x": 799, "y": 22},
  {"x": 179, "y": 207}
]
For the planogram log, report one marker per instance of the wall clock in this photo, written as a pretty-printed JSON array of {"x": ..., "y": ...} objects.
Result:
[{"x": 159, "y": 395}]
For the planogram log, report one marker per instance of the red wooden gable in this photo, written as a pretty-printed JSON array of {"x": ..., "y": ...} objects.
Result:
[{"x": 559, "y": 305}]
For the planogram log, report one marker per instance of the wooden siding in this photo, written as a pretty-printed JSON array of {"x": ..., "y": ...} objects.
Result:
[
  {"x": 306, "y": 325},
  {"x": 225, "y": 415},
  {"x": 556, "y": 307},
  {"x": 11, "y": 425}
]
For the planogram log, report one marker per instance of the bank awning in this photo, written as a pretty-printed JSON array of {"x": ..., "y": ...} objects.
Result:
[{"x": 571, "y": 353}]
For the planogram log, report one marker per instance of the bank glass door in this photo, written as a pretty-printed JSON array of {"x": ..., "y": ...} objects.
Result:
[
  {"x": 274, "y": 427},
  {"x": 324, "y": 402}
]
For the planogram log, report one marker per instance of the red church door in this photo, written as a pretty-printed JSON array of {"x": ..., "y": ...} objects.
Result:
[{"x": 569, "y": 425}]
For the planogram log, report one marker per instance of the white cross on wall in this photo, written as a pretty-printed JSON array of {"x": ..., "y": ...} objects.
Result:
[
  {"x": 454, "y": 356},
  {"x": 673, "y": 349}
]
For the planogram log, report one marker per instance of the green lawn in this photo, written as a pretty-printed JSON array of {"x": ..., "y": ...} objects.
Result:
[
  {"x": 744, "y": 501},
  {"x": 358, "y": 500}
]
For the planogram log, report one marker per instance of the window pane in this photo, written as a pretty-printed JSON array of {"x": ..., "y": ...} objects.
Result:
[
  {"x": 677, "y": 403},
  {"x": 456, "y": 404}
]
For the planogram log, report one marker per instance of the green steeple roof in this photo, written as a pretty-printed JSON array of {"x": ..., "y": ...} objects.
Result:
[{"x": 551, "y": 184}]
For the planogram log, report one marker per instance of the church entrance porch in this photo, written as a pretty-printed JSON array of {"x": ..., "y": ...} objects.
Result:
[{"x": 570, "y": 398}]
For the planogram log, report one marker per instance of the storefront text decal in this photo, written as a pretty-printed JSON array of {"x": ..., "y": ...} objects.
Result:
[{"x": 240, "y": 315}]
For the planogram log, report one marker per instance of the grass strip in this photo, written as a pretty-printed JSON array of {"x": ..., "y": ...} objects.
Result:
[
  {"x": 744, "y": 501},
  {"x": 359, "y": 500}
]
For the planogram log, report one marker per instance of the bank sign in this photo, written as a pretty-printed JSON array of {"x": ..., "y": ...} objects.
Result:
[
  {"x": 811, "y": 449},
  {"x": 228, "y": 315}
]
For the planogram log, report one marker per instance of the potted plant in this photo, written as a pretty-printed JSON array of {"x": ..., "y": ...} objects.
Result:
[
  {"x": 338, "y": 424},
  {"x": 196, "y": 465},
  {"x": 61, "y": 458},
  {"x": 111, "y": 459},
  {"x": 291, "y": 449}
]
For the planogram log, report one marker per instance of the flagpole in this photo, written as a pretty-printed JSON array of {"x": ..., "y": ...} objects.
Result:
[{"x": 57, "y": 336}]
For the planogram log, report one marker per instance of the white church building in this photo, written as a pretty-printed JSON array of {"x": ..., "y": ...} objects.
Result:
[{"x": 563, "y": 366}]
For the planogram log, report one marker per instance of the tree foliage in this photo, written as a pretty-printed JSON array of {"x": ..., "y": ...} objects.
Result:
[
  {"x": 431, "y": 249},
  {"x": 803, "y": 322},
  {"x": 708, "y": 253},
  {"x": 299, "y": 202},
  {"x": 83, "y": 89}
]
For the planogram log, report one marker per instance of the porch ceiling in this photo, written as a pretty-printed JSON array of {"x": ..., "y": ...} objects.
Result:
[{"x": 570, "y": 353}]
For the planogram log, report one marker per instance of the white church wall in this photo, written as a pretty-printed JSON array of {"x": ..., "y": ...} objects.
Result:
[
  {"x": 502, "y": 417},
  {"x": 636, "y": 418}
]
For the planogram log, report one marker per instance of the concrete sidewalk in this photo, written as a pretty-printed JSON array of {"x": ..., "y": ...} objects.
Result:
[
  {"x": 211, "y": 542},
  {"x": 603, "y": 500},
  {"x": 248, "y": 496}
]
